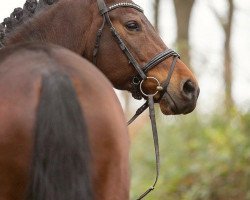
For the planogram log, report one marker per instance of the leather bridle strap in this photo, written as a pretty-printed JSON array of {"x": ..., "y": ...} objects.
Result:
[
  {"x": 124, "y": 48},
  {"x": 156, "y": 144},
  {"x": 98, "y": 41},
  {"x": 102, "y": 7},
  {"x": 159, "y": 58},
  {"x": 138, "y": 113},
  {"x": 164, "y": 85},
  {"x": 104, "y": 11},
  {"x": 141, "y": 74},
  {"x": 150, "y": 104}
]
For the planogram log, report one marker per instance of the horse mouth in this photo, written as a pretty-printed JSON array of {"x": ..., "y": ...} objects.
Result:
[
  {"x": 173, "y": 106},
  {"x": 168, "y": 106}
]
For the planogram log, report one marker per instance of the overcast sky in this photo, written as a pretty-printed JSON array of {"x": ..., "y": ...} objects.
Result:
[{"x": 207, "y": 46}]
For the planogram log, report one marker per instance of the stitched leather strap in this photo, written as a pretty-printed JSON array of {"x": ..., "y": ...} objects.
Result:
[
  {"x": 170, "y": 73},
  {"x": 165, "y": 85},
  {"x": 124, "y": 48},
  {"x": 156, "y": 145},
  {"x": 159, "y": 58},
  {"x": 140, "y": 70},
  {"x": 142, "y": 74},
  {"x": 138, "y": 113},
  {"x": 102, "y": 7},
  {"x": 98, "y": 41}
]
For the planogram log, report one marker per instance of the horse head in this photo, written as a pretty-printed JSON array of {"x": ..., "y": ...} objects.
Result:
[{"x": 126, "y": 39}]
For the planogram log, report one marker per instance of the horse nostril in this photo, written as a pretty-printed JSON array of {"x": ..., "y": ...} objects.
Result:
[
  {"x": 188, "y": 87},
  {"x": 189, "y": 90}
]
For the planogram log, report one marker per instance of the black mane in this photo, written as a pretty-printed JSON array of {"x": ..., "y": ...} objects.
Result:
[{"x": 20, "y": 15}]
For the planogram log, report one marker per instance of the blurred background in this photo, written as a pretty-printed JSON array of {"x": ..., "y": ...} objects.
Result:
[{"x": 204, "y": 155}]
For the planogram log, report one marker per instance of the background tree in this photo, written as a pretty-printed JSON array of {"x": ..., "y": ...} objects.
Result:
[
  {"x": 183, "y": 12},
  {"x": 202, "y": 156},
  {"x": 156, "y": 14},
  {"x": 226, "y": 23}
]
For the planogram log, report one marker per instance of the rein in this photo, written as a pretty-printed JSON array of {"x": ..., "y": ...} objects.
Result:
[{"x": 141, "y": 77}]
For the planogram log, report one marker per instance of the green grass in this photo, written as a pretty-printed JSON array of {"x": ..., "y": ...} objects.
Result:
[{"x": 202, "y": 158}]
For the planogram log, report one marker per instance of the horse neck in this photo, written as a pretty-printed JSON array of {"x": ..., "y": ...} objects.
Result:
[{"x": 58, "y": 25}]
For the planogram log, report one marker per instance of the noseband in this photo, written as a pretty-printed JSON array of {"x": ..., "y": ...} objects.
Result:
[{"x": 138, "y": 80}]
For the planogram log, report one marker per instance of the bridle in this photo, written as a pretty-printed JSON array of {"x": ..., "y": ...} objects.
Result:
[
  {"x": 138, "y": 80},
  {"x": 141, "y": 70}
]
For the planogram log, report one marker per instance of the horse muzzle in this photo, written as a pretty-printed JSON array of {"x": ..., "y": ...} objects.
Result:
[{"x": 182, "y": 102}]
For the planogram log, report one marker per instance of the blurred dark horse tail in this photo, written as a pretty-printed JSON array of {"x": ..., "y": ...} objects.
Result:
[{"x": 60, "y": 167}]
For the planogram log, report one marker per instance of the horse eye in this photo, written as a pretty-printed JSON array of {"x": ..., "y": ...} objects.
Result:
[{"x": 133, "y": 26}]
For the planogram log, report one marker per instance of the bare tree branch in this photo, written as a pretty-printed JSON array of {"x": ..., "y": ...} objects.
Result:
[
  {"x": 220, "y": 19},
  {"x": 183, "y": 15},
  {"x": 156, "y": 14},
  {"x": 227, "y": 24}
]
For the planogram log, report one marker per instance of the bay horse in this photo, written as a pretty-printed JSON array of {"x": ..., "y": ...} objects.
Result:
[
  {"x": 131, "y": 54},
  {"x": 63, "y": 135}
]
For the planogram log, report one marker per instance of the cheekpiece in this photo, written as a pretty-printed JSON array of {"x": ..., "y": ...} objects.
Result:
[{"x": 125, "y": 4}]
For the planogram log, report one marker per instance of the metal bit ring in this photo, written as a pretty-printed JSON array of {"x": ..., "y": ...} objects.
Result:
[{"x": 158, "y": 88}]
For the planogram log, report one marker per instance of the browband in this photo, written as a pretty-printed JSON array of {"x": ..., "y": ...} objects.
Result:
[
  {"x": 104, "y": 9},
  {"x": 130, "y": 5}
]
